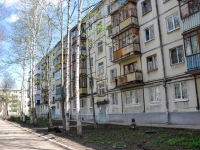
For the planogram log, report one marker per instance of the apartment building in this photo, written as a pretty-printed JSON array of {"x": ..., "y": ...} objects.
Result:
[
  {"x": 143, "y": 56},
  {"x": 13, "y": 97},
  {"x": 141, "y": 68}
]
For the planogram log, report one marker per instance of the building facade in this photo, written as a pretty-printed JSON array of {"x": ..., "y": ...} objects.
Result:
[{"x": 139, "y": 60}]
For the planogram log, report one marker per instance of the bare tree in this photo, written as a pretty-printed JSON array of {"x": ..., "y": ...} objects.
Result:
[{"x": 7, "y": 84}]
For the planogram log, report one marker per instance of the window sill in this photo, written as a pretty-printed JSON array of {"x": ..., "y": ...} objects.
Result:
[
  {"x": 173, "y": 30},
  {"x": 154, "y": 103},
  {"x": 149, "y": 40},
  {"x": 132, "y": 105},
  {"x": 181, "y": 100},
  {"x": 146, "y": 13},
  {"x": 100, "y": 52},
  {"x": 172, "y": 65},
  {"x": 152, "y": 70},
  {"x": 165, "y": 2}
]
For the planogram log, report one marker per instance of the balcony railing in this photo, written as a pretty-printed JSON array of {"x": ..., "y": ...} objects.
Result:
[
  {"x": 131, "y": 79},
  {"x": 82, "y": 52},
  {"x": 82, "y": 91},
  {"x": 193, "y": 63},
  {"x": 191, "y": 22},
  {"x": 126, "y": 52},
  {"x": 37, "y": 102}
]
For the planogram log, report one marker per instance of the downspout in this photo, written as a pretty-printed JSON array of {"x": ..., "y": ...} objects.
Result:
[
  {"x": 196, "y": 92},
  {"x": 163, "y": 64}
]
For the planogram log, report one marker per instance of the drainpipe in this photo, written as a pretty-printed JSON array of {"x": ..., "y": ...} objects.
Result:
[
  {"x": 163, "y": 63},
  {"x": 196, "y": 92}
]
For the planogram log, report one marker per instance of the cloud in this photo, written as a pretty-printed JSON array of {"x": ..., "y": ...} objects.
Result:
[
  {"x": 12, "y": 18},
  {"x": 9, "y": 3}
]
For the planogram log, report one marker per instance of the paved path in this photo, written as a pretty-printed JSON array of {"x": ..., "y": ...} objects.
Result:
[{"x": 15, "y": 138}]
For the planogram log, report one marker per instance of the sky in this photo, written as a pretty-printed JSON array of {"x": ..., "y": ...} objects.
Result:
[{"x": 13, "y": 8}]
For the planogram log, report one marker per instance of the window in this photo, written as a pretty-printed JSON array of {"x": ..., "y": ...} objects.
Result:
[
  {"x": 192, "y": 43},
  {"x": 100, "y": 47},
  {"x": 189, "y": 7},
  {"x": 101, "y": 89},
  {"x": 91, "y": 83},
  {"x": 176, "y": 55},
  {"x": 173, "y": 22},
  {"x": 57, "y": 105},
  {"x": 109, "y": 28},
  {"x": 101, "y": 68},
  {"x": 91, "y": 62},
  {"x": 130, "y": 68},
  {"x": 74, "y": 34},
  {"x": 113, "y": 75},
  {"x": 165, "y": 1},
  {"x": 82, "y": 105},
  {"x": 74, "y": 104},
  {"x": 132, "y": 97},
  {"x": 154, "y": 94},
  {"x": 111, "y": 54},
  {"x": 149, "y": 33},
  {"x": 152, "y": 63},
  {"x": 83, "y": 83},
  {"x": 90, "y": 26},
  {"x": 146, "y": 6},
  {"x": 114, "y": 98},
  {"x": 180, "y": 91},
  {"x": 99, "y": 28},
  {"x": 109, "y": 9},
  {"x": 91, "y": 103}
]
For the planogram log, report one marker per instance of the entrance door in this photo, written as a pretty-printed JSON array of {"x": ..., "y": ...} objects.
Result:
[{"x": 102, "y": 113}]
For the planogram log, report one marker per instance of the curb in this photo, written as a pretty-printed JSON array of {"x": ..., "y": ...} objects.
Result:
[{"x": 39, "y": 135}]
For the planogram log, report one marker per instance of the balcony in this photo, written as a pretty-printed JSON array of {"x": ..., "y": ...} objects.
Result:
[
  {"x": 82, "y": 52},
  {"x": 38, "y": 72},
  {"x": 191, "y": 22},
  {"x": 130, "y": 80},
  {"x": 82, "y": 71},
  {"x": 82, "y": 91},
  {"x": 126, "y": 53},
  {"x": 37, "y": 102},
  {"x": 193, "y": 64}
]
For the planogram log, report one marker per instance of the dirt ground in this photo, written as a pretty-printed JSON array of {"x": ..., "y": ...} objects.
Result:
[{"x": 107, "y": 136}]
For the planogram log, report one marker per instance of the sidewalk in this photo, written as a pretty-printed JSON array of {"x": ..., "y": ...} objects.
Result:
[{"x": 193, "y": 127}]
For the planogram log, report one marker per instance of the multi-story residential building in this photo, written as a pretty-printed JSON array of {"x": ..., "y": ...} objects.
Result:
[
  {"x": 139, "y": 67},
  {"x": 13, "y": 100},
  {"x": 144, "y": 66}
]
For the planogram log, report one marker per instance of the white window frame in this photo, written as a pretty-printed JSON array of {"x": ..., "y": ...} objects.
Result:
[
  {"x": 155, "y": 91},
  {"x": 74, "y": 104},
  {"x": 100, "y": 47},
  {"x": 111, "y": 54},
  {"x": 90, "y": 62},
  {"x": 132, "y": 97},
  {"x": 174, "y": 28},
  {"x": 58, "y": 75},
  {"x": 152, "y": 65},
  {"x": 91, "y": 103},
  {"x": 181, "y": 92},
  {"x": 90, "y": 26},
  {"x": 151, "y": 37},
  {"x": 113, "y": 75},
  {"x": 114, "y": 99},
  {"x": 82, "y": 104},
  {"x": 101, "y": 89},
  {"x": 101, "y": 68},
  {"x": 178, "y": 60}
]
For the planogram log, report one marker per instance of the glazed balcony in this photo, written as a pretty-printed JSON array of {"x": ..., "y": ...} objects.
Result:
[
  {"x": 82, "y": 52},
  {"x": 83, "y": 91},
  {"x": 37, "y": 102},
  {"x": 126, "y": 53},
  {"x": 193, "y": 64},
  {"x": 38, "y": 92},
  {"x": 129, "y": 80},
  {"x": 191, "y": 22}
]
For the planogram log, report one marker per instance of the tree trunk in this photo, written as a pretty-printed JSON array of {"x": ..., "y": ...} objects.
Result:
[
  {"x": 79, "y": 126},
  {"x": 68, "y": 71}
]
